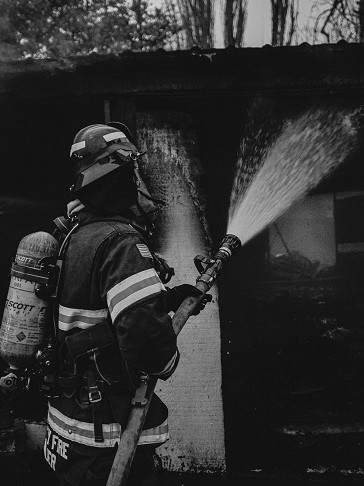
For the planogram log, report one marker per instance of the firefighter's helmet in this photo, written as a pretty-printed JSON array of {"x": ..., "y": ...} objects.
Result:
[{"x": 99, "y": 149}]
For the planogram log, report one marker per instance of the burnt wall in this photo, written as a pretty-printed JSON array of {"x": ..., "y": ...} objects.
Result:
[
  {"x": 291, "y": 344},
  {"x": 292, "y": 329},
  {"x": 291, "y": 335}
]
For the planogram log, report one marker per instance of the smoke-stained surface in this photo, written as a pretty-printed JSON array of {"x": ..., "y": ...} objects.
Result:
[
  {"x": 170, "y": 163},
  {"x": 173, "y": 172}
]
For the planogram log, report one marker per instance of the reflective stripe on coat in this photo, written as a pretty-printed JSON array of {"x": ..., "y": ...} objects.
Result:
[{"x": 83, "y": 432}]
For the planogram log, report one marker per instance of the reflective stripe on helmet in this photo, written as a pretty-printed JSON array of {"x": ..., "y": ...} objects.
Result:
[
  {"x": 114, "y": 136},
  {"x": 77, "y": 146}
]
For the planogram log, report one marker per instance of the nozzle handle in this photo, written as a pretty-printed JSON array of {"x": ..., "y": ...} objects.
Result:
[{"x": 209, "y": 270}]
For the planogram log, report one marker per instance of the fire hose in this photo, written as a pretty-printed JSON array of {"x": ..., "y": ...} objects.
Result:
[{"x": 209, "y": 269}]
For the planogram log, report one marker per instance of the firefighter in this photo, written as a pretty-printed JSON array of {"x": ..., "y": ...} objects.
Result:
[{"x": 113, "y": 321}]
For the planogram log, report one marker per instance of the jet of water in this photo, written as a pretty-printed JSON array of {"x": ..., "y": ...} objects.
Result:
[{"x": 308, "y": 149}]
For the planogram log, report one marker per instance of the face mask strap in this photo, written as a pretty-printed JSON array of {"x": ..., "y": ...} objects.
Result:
[{"x": 139, "y": 183}]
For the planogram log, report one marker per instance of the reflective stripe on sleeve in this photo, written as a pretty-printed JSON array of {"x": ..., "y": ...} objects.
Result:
[
  {"x": 83, "y": 432},
  {"x": 155, "y": 435},
  {"x": 132, "y": 290},
  {"x": 169, "y": 367},
  {"x": 80, "y": 318}
]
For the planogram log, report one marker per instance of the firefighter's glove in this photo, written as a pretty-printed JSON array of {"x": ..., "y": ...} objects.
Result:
[{"x": 176, "y": 295}]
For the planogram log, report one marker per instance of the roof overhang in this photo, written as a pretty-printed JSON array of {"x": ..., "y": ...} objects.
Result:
[{"x": 224, "y": 72}]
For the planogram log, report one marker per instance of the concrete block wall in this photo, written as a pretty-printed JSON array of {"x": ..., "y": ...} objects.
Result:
[{"x": 193, "y": 394}]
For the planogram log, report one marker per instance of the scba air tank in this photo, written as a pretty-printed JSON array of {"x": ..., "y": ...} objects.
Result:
[{"x": 26, "y": 316}]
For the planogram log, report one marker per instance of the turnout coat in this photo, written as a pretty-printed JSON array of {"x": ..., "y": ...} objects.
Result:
[{"x": 113, "y": 324}]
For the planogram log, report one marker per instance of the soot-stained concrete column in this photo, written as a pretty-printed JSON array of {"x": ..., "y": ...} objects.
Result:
[{"x": 193, "y": 394}]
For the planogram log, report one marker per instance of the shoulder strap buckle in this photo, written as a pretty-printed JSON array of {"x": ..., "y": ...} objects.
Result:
[
  {"x": 46, "y": 276},
  {"x": 52, "y": 266}
]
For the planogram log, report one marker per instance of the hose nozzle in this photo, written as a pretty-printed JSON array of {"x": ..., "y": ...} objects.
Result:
[
  {"x": 229, "y": 245},
  {"x": 209, "y": 268}
]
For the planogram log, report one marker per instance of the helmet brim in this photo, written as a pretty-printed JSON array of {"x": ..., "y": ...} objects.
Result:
[{"x": 99, "y": 168}]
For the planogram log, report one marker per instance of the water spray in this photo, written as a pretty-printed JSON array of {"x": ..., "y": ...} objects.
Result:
[{"x": 308, "y": 149}]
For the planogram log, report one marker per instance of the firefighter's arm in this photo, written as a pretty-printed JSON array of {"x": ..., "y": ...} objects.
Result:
[
  {"x": 176, "y": 295},
  {"x": 137, "y": 302}
]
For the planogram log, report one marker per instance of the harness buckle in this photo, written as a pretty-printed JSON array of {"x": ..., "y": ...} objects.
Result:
[{"x": 94, "y": 394}]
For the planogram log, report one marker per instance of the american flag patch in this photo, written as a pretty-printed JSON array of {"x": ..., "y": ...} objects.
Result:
[{"x": 144, "y": 250}]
